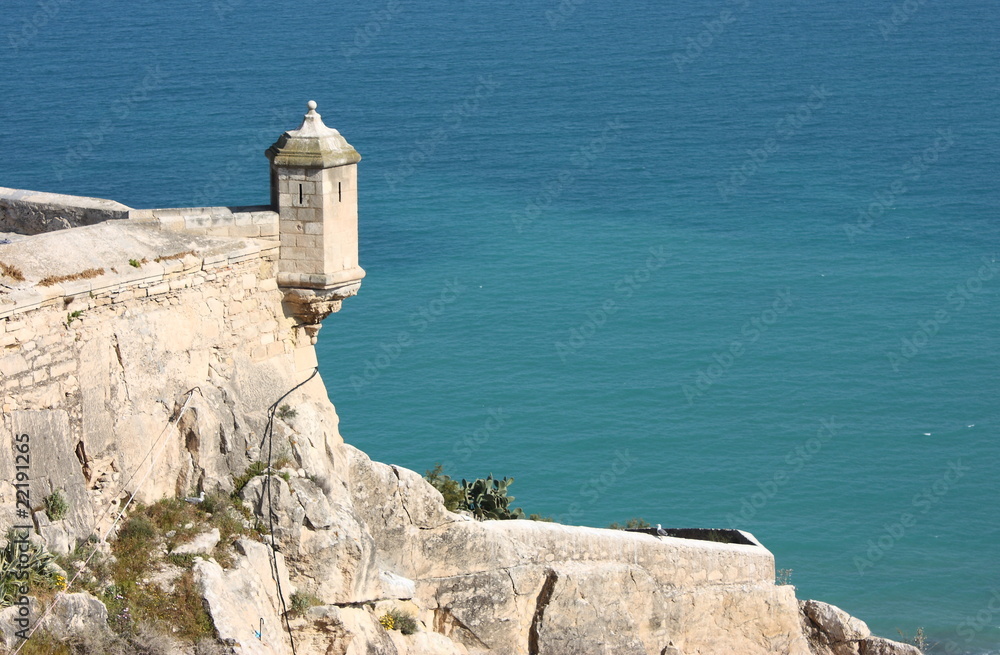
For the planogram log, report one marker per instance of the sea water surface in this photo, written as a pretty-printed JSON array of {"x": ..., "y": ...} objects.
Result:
[{"x": 720, "y": 264}]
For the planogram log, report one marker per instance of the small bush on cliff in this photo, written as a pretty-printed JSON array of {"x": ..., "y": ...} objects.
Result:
[
  {"x": 72, "y": 316},
  {"x": 398, "y": 620},
  {"x": 55, "y": 506},
  {"x": 454, "y": 497},
  {"x": 301, "y": 602},
  {"x": 13, "y": 272},
  {"x": 49, "y": 280},
  {"x": 484, "y": 498},
  {"x": 240, "y": 481},
  {"x": 919, "y": 639}
]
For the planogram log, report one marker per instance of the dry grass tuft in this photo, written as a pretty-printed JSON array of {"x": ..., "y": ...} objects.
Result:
[
  {"x": 82, "y": 275},
  {"x": 11, "y": 272},
  {"x": 146, "y": 640},
  {"x": 177, "y": 255}
]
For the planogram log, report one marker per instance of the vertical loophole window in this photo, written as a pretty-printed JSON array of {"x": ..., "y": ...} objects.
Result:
[
  {"x": 300, "y": 194},
  {"x": 340, "y": 192}
]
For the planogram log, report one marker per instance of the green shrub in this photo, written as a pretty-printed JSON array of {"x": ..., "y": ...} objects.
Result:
[
  {"x": 631, "y": 524},
  {"x": 543, "y": 519},
  {"x": 286, "y": 413},
  {"x": 55, "y": 506},
  {"x": 301, "y": 602},
  {"x": 283, "y": 458},
  {"x": 454, "y": 497},
  {"x": 138, "y": 529},
  {"x": 240, "y": 481},
  {"x": 215, "y": 503},
  {"x": 398, "y": 620}
]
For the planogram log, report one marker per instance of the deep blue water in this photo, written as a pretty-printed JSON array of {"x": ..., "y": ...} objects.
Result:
[{"x": 640, "y": 252}]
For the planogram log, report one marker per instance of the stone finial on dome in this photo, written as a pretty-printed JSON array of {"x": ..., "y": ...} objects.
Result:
[
  {"x": 313, "y": 121},
  {"x": 312, "y": 145}
]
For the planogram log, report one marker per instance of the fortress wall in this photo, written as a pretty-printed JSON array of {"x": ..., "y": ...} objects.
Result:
[{"x": 115, "y": 261}]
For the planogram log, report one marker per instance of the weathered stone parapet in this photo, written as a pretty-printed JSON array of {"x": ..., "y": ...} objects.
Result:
[
  {"x": 35, "y": 212},
  {"x": 112, "y": 261},
  {"x": 238, "y": 222}
]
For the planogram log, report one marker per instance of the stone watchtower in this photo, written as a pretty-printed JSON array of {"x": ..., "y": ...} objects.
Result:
[{"x": 314, "y": 189}]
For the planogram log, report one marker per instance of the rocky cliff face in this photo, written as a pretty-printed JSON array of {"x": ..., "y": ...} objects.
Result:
[{"x": 160, "y": 386}]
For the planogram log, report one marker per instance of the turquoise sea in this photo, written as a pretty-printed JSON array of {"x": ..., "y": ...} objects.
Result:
[{"x": 726, "y": 263}]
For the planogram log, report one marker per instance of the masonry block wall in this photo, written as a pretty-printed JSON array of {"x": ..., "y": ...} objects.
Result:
[{"x": 237, "y": 307}]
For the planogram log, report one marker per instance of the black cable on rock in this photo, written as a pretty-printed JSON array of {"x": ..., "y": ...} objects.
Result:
[{"x": 268, "y": 436}]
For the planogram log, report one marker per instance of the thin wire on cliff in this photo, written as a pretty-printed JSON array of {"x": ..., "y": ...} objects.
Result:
[{"x": 269, "y": 438}]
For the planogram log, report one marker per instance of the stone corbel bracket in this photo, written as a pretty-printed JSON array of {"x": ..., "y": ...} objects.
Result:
[{"x": 309, "y": 305}]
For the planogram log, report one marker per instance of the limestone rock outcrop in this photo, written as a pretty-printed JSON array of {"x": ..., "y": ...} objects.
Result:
[
  {"x": 832, "y": 631},
  {"x": 880, "y": 646},
  {"x": 76, "y": 615},
  {"x": 202, "y": 544},
  {"x": 244, "y": 602}
]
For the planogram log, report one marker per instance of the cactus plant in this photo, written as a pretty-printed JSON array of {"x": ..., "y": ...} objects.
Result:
[{"x": 487, "y": 498}]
